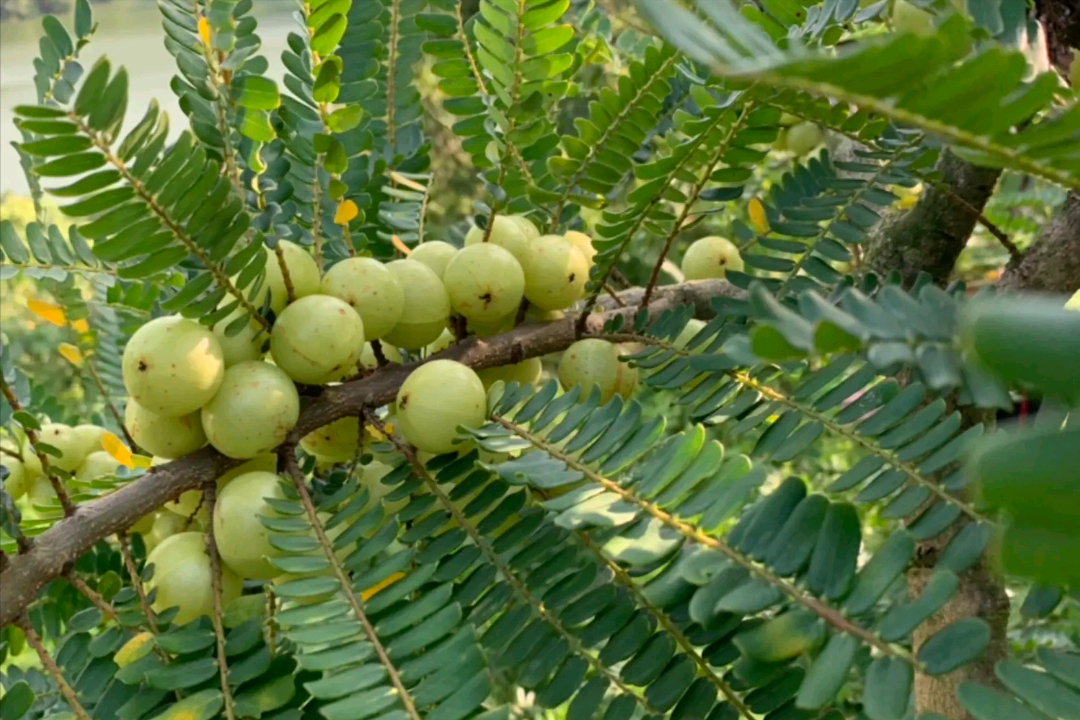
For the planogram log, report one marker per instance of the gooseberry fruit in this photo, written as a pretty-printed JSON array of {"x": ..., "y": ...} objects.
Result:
[
  {"x": 17, "y": 482},
  {"x": 166, "y": 437},
  {"x": 18, "y": 445},
  {"x": 368, "y": 359},
  {"x": 163, "y": 526},
  {"x": 711, "y": 257},
  {"x": 41, "y": 492},
  {"x": 182, "y": 578},
  {"x": 506, "y": 232},
  {"x": 555, "y": 273},
  {"x": 492, "y": 327},
  {"x": 527, "y": 226},
  {"x": 485, "y": 282},
  {"x": 427, "y": 306},
  {"x": 337, "y": 442},
  {"x": 188, "y": 501},
  {"x": 317, "y": 339},
  {"x": 89, "y": 438},
  {"x": 693, "y": 327},
  {"x": 1073, "y": 303},
  {"x": 909, "y": 18},
  {"x": 303, "y": 275},
  {"x": 97, "y": 465},
  {"x": 525, "y": 372},
  {"x": 436, "y": 254},
  {"x": 173, "y": 366},
  {"x": 63, "y": 438},
  {"x": 583, "y": 243},
  {"x": 371, "y": 290},
  {"x": 245, "y": 345},
  {"x": 240, "y": 535},
  {"x": 595, "y": 363},
  {"x": 435, "y": 399},
  {"x": 804, "y": 137},
  {"x": 445, "y": 340},
  {"x": 253, "y": 412}
]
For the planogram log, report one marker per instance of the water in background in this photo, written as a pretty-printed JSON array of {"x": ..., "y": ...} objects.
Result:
[{"x": 130, "y": 34}]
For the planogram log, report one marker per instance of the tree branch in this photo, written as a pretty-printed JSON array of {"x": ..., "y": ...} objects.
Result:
[
  {"x": 930, "y": 236},
  {"x": 1052, "y": 262},
  {"x": 62, "y": 544}
]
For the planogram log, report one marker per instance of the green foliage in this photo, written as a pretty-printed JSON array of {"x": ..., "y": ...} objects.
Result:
[{"x": 684, "y": 553}]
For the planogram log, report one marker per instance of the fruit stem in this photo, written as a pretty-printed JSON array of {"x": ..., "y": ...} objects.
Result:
[
  {"x": 209, "y": 498},
  {"x": 380, "y": 356},
  {"x": 136, "y": 582},
  {"x": 93, "y": 596},
  {"x": 50, "y": 665},
  {"x": 96, "y": 378}
]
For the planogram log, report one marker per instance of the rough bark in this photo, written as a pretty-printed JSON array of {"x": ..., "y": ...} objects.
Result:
[
  {"x": 55, "y": 550},
  {"x": 930, "y": 236},
  {"x": 1052, "y": 262},
  {"x": 1061, "y": 18}
]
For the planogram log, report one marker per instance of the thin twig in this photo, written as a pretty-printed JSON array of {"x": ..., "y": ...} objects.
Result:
[
  {"x": 346, "y": 586},
  {"x": 209, "y": 493},
  {"x": 52, "y": 668},
  {"x": 96, "y": 378},
  {"x": 290, "y": 291},
  {"x": 136, "y": 582},
  {"x": 93, "y": 596},
  {"x": 1014, "y": 252},
  {"x": 46, "y": 466}
]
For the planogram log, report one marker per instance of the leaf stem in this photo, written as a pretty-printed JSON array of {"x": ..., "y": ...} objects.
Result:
[
  {"x": 136, "y": 582},
  {"x": 52, "y": 668},
  {"x": 33, "y": 439},
  {"x": 209, "y": 499},
  {"x": 346, "y": 586}
]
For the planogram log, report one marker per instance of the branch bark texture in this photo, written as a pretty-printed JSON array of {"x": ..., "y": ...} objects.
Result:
[
  {"x": 56, "y": 550},
  {"x": 1052, "y": 262},
  {"x": 930, "y": 236}
]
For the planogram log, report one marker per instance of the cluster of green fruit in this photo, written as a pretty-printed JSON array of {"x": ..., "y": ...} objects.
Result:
[
  {"x": 82, "y": 460},
  {"x": 800, "y": 137},
  {"x": 190, "y": 385}
]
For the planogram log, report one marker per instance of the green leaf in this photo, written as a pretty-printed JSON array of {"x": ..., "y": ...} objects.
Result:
[
  {"x": 345, "y": 119},
  {"x": 84, "y": 19},
  {"x": 1065, "y": 666},
  {"x": 989, "y": 704},
  {"x": 955, "y": 645},
  {"x": 1039, "y": 689},
  {"x": 266, "y": 697},
  {"x": 93, "y": 87},
  {"x": 17, "y": 700},
  {"x": 879, "y": 573},
  {"x": 255, "y": 92},
  {"x": 828, "y": 673},
  {"x": 329, "y": 34},
  {"x": 887, "y": 692},
  {"x": 180, "y": 675},
  {"x": 203, "y": 705},
  {"x": 328, "y": 81},
  {"x": 783, "y": 637}
]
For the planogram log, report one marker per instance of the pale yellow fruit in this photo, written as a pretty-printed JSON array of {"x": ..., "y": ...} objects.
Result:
[
  {"x": 436, "y": 254},
  {"x": 241, "y": 537},
  {"x": 1073, "y": 302},
  {"x": 485, "y": 282},
  {"x": 245, "y": 345},
  {"x": 253, "y": 412},
  {"x": 89, "y": 438},
  {"x": 173, "y": 366},
  {"x": 188, "y": 501},
  {"x": 303, "y": 274},
  {"x": 506, "y": 232},
  {"x": 166, "y": 437},
  {"x": 435, "y": 399},
  {"x": 555, "y": 273},
  {"x": 41, "y": 493},
  {"x": 18, "y": 444},
  {"x": 528, "y": 227},
  {"x": 526, "y": 372},
  {"x": 537, "y": 315},
  {"x": 337, "y": 442},
  {"x": 594, "y": 363},
  {"x": 804, "y": 137},
  {"x": 182, "y": 578},
  {"x": 143, "y": 525},
  {"x": 96, "y": 466},
  {"x": 908, "y": 18},
  {"x": 583, "y": 243},
  {"x": 693, "y": 327},
  {"x": 368, "y": 359},
  {"x": 371, "y": 290},
  {"x": 445, "y": 340},
  {"x": 17, "y": 482},
  {"x": 494, "y": 327},
  {"x": 427, "y": 306},
  {"x": 164, "y": 525},
  {"x": 317, "y": 339},
  {"x": 711, "y": 257},
  {"x": 63, "y": 438}
]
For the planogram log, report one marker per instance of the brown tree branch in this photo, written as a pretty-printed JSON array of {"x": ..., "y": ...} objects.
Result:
[
  {"x": 59, "y": 546},
  {"x": 1052, "y": 262}
]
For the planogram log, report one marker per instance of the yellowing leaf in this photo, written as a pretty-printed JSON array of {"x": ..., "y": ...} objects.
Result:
[
  {"x": 118, "y": 450},
  {"x": 396, "y": 242},
  {"x": 204, "y": 31},
  {"x": 346, "y": 212},
  {"x": 142, "y": 461},
  {"x": 48, "y": 312},
  {"x": 80, "y": 326},
  {"x": 134, "y": 649},
  {"x": 380, "y": 586},
  {"x": 757, "y": 216},
  {"x": 71, "y": 354}
]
